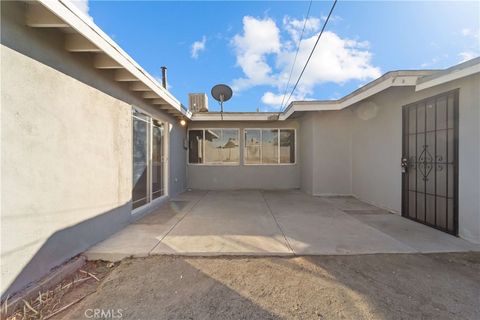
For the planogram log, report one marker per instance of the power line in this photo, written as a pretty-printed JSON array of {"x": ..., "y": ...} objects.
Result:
[
  {"x": 313, "y": 50},
  {"x": 296, "y": 54}
]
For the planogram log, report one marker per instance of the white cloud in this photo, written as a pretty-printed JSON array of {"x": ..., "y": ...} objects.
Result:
[
  {"x": 294, "y": 27},
  {"x": 467, "y": 55},
  {"x": 465, "y": 31},
  {"x": 260, "y": 38},
  {"x": 473, "y": 50},
  {"x": 83, "y": 6},
  {"x": 275, "y": 100},
  {"x": 336, "y": 59},
  {"x": 198, "y": 46}
]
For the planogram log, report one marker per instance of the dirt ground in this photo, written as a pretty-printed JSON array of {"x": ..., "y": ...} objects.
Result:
[
  {"x": 381, "y": 286},
  {"x": 51, "y": 301}
]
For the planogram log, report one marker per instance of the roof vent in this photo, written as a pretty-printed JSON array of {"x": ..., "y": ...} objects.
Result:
[
  {"x": 164, "y": 77},
  {"x": 197, "y": 102}
]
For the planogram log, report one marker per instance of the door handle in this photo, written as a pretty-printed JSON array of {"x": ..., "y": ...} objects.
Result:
[{"x": 404, "y": 165}]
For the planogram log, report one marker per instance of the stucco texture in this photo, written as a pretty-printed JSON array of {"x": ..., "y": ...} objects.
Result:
[{"x": 64, "y": 146}]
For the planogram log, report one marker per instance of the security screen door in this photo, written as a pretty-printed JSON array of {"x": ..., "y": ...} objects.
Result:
[{"x": 430, "y": 162}]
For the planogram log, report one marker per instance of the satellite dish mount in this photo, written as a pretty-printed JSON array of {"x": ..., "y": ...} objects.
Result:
[{"x": 222, "y": 93}]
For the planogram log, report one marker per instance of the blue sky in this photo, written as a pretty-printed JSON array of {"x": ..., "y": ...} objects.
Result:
[{"x": 250, "y": 45}]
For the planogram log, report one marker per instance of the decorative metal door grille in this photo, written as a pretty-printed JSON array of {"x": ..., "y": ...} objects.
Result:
[{"x": 430, "y": 162}]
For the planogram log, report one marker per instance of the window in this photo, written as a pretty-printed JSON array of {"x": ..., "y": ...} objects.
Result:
[
  {"x": 269, "y": 146},
  {"x": 148, "y": 159},
  {"x": 213, "y": 146}
]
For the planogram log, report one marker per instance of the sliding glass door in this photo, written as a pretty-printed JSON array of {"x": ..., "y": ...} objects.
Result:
[
  {"x": 148, "y": 159},
  {"x": 140, "y": 192}
]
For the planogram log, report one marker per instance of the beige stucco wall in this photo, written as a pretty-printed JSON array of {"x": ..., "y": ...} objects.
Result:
[
  {"x": 326, "y": 153},
  {"x": 220, "y": 177},
  {"x": 358, "y": 150},
  {"x": 64, "y": 149},
  {"x": 332, "y": 160},
  {"x": 66, "y": 152},
  {"x": 305, "y": 138}
]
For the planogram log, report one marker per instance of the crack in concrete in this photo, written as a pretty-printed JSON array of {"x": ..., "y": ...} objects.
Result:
[
  {"x": 179, "y": 220},
  {"x": 289, "y": 247}
]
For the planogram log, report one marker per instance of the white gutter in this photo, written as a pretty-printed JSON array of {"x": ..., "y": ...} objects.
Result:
[
  {"x": 391, "y": 79},
  {"x": 462, "y": 70}
]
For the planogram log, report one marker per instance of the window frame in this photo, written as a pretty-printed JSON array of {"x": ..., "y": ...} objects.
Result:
[
  {"x": 150, "y": 119},
  {"x": 245, "y": 130},
  {"x": 204, "y": 162},
  {"x": 163, "y": 159}
]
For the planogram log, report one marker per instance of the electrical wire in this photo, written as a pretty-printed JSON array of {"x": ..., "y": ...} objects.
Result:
[
  {"x": 311, "y": 53},
  {"x": 296, "y": 54}
]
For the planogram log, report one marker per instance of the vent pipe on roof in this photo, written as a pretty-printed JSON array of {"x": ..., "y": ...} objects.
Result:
[{"x": 164, "y": 77}]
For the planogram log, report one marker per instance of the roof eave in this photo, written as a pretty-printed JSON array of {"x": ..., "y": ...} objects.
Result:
[{"x": 103, "y": 44}]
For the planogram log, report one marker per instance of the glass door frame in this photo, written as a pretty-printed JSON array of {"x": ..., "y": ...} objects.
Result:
[{"x": 165, "y": 167}]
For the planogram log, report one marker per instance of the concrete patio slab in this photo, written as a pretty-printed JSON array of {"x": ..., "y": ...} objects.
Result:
[
  {"x": 171, "y": 212},
  {"x": 420, "y": 237},
  {"x": 328, "y": 230},
  {"x": 190, "y": 195},
  {"x": 139, "y": 238},
  {"x": 252, "y": 222},
  {"x": 227, "y": 223},
  {"x": 136, "y": 240},
  {"x": 349, "y": 203}
]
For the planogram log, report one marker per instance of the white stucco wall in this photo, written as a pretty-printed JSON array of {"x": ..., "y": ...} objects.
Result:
[
  {"x": 221, "y": 177},
  {"x": 66, "y": 152}
]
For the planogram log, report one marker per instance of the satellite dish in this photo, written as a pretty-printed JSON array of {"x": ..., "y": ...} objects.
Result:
[{"x": 222, "y": 93}]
